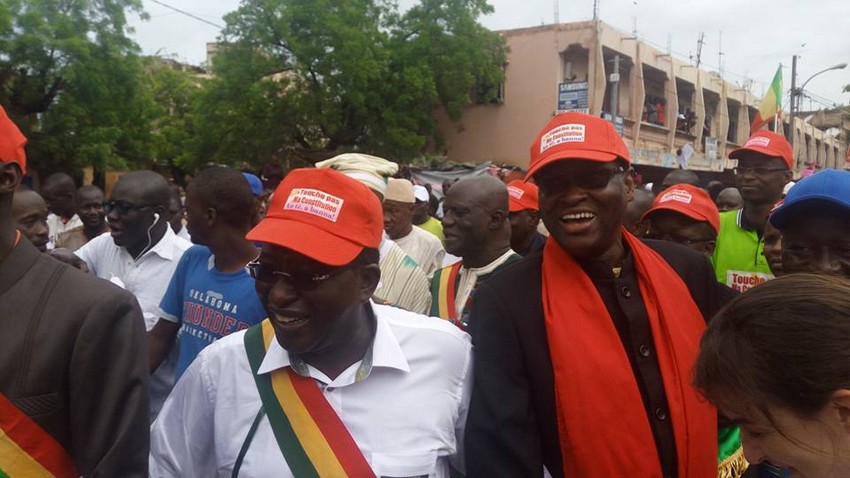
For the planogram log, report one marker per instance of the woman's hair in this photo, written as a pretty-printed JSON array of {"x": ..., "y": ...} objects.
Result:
[{"x": 785, "y": 342}]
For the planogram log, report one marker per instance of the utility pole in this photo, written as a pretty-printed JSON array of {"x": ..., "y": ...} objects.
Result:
[
  {"x": 700, "y": 43},
  {"x": 720, "y": 54},
  {"x": 615, "y": 88},
  {"x": 793, "y": 106},
  {"x": 557, "y": 13},
  {"x": 595, "y": 10}
]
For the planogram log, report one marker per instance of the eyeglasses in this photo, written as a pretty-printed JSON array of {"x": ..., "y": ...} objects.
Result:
[
  {"x": 591, "y": 178},
  {"x": 741, "y": 170},
  {"x": 302, "y": 281},
  {"x": 121, "y": 207},
  {"x": 677, "y": 240}
]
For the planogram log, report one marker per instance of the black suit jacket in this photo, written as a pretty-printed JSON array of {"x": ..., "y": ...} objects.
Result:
[{"x": 512, "y": 427}]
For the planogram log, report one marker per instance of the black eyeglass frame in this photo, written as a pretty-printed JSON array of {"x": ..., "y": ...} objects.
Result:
[
  {"x": 122, "y": 208},
  {"x": 600, "y": 179},
  {"x": 758, "y": 171},
  {"x": 300, "y": 282}
]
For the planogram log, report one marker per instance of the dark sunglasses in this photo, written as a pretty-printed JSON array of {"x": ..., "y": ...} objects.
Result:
[
  {"x": 678, "y": 240},
  {"x": 301, "y": 281},
  {"x": 121, "y": 207},
  {"x": 590, "y": 178},
  {"x": 740, "y": 171}
]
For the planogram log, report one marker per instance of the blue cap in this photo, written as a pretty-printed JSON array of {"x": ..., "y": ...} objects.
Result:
[
  {"x": 255, "y": 183},
  {"x": 828, "y": 187}
]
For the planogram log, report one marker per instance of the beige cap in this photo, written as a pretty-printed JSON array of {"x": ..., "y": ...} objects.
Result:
[
  {"x": 400, "y": 190},
  {"x": 369, "y": 170}
]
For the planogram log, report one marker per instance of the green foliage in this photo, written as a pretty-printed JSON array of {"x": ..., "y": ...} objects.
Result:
[
  {"x": 306, "y": 79},
  {"x": 70, "y": 78},
  {"x": 170, "y": 91}
]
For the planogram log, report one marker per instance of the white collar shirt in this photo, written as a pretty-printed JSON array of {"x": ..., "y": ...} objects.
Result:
[
  {"x": 469, "y": 278},
  {"x": 406, "y": 415},
  {"x": 146, "y": 277}
]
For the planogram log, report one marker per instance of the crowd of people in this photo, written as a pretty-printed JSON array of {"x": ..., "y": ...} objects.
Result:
[{"x": 569, "y": 324}]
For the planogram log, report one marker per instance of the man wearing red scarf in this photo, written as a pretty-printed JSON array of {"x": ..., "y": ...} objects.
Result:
[{"x": 584, "y": 349}]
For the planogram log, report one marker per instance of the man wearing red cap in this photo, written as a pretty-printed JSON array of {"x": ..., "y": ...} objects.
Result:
[
  {"x": 764, "y": 168},
  {"x": 524, "y": 216},
  {"x": 73, "y": 385},
  {"x": 684, "y": 214},
  {"x": 330, "y": 384},
  {"x": 584, "y": 350}
]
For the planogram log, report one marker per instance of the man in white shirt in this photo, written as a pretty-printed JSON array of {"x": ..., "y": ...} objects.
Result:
[
  {"x": 140, "y": 255},
  {"x": 424, "y": 247},
  {"x": 393, "y": 385},
  {"x": 477, "y": 229},
  {"x": 58, "y": 191}
]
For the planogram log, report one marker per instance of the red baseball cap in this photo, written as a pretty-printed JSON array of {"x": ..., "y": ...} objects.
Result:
[
  {"x": 322, "y": 214},
  {"x": 12, "y": 142},
  {"x": 767, "y": 143},
  {"x": 576, "y": 136},
  {"x": 522, "y": 196},
  {"x": 689, "y": 200}
]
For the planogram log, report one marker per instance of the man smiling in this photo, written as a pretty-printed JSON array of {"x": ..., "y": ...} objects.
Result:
[
  {"x": 330, "y": 384},
  {"x": 583, "y": 350},
  {"x": 764, "y": 168}
]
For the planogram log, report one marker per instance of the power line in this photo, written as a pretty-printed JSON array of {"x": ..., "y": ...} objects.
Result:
[{"x": 190, "y": 15}]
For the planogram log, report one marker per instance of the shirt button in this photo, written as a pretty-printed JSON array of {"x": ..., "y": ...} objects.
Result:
[
  {"x": 330, "y": 389},
  {"x": 660, "y": 414},
  {"x": 626, "y": 291},
  {"x": 645, "y": 351}
]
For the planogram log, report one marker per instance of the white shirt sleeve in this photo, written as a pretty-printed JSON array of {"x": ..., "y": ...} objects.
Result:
[
  {"x": 88, "y": 253},
  {"x": 183, "y": 435},
  {"x": 457, "y": 459}
]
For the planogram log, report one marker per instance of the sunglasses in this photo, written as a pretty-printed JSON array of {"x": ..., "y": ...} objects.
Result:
[
  {"x": 301, "y": 281},
  {"x": 121, "y": 208},
  {"x": 587, "y": 178},
  {"x": 740, "y": 171}
]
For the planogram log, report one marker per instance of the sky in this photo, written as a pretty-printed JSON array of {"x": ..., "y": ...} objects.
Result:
[{"x": 754, "y": 36}]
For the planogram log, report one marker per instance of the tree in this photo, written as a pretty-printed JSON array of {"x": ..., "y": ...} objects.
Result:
[
  {"x": 310, "y": 78},
  {"x": 70, "y": 77},
  {"x": 171, "y": 91}
]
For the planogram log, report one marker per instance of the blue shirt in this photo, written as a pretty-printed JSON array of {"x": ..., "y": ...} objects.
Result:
[{"x": 208, "y": 304}]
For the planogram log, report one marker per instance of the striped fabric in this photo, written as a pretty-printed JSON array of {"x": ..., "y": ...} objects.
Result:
[
  {"x": 27, "y": 450},
  {"x": 310, "y": 434}
]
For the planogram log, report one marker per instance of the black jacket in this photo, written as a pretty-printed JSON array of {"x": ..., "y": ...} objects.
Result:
[
  {"x": 512, "y": 427},
  {"x": 73, "y": 357}
]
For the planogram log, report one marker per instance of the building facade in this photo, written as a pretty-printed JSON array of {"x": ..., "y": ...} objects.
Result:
[{"x": 670, "y": 113}]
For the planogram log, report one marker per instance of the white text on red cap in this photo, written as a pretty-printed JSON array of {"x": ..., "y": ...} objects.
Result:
[
  {"x": 515, "y": 192},
  {"x": 315, "y": 202},
  {"x": 678, "y": 195},
  {"x": 565, "y": 133},
  {"x": 758, "y": 141}
]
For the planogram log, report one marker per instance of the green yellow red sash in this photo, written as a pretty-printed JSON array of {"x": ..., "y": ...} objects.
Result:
[
  {"x": 27, "y": 450},
  {"x": 446, "y": 280},
  {"x": 310, "y": 434}
]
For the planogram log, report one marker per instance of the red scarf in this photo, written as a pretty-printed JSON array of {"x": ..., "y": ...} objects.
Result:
[{"x": 603, "y": 427}]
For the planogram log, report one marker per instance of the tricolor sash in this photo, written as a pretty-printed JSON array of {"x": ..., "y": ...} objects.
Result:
[
  {"x": 27, "y": 450},
  {"x": 444, "y": 291},
  {"x": 310, "y": 434}
]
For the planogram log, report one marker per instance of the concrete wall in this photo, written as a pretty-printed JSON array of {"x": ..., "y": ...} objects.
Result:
[{"x": 541, "y": 57}]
